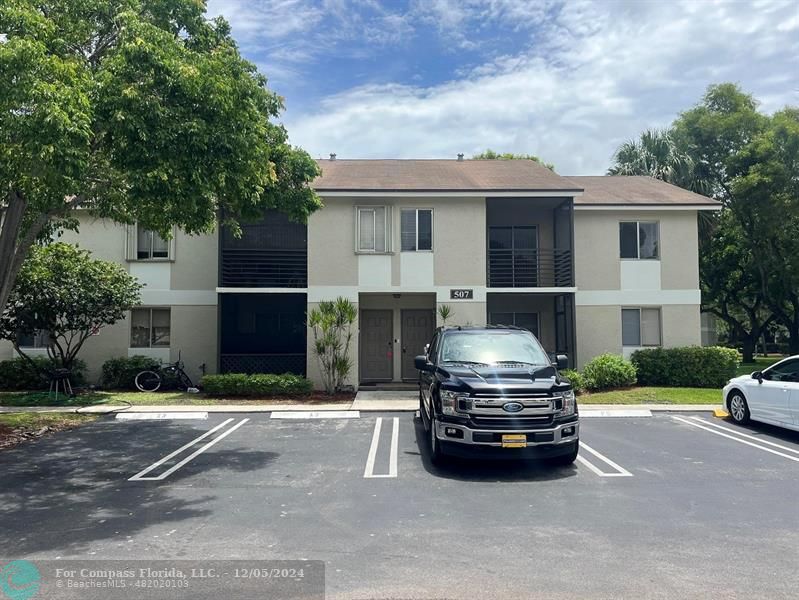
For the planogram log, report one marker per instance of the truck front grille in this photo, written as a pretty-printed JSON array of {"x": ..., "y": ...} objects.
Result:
[{"x": 484, "y": 422}]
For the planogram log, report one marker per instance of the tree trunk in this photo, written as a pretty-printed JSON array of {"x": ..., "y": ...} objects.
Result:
[
  {"x": 793, "y": 338},
  {"x": 748, "y": 351},
  {"x": 14, "y": 245}
]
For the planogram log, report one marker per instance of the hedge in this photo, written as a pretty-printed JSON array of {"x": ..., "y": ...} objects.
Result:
[
  {"x": 690, "y": 366},
  {"x": 17, "y": 374},
  {"x": 120, "y": 373},
  {"x": 608, "y": 371},
  {"x": 260, "y": 384},
  {"x": 575, "y": 378}
]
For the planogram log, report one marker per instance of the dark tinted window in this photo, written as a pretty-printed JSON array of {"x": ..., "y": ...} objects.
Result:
[
  {"x": 787, "y": 371},
  {"x": 628, "y": 240}
]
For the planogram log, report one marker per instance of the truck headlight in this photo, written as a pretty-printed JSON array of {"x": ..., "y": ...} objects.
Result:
[
  {"x": 449, "y": 402},
  {"x": 568, "y": 404}
]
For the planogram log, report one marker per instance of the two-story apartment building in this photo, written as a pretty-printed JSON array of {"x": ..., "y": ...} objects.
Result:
[{"x": 589, "y": 264}]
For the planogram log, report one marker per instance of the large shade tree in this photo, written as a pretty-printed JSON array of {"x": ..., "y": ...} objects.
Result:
[{"x": 135, "y": 110}]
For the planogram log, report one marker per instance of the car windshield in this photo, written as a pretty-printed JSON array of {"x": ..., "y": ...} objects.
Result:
[{"x": 493, "y": 347}]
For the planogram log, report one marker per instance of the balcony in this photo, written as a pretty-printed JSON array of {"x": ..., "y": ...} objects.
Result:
[
  {"x": 271, "y": 253},
  {"x": 284, "y": 268},
  {"x": 529, "y": 268}
]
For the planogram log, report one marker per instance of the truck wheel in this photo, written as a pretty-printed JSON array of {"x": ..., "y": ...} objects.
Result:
[
  {"x": 436, "y": 456},
  {"x": 564, "y": 460}
]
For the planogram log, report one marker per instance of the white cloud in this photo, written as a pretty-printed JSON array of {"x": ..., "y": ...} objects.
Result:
[{"x": 594, "y": 75}]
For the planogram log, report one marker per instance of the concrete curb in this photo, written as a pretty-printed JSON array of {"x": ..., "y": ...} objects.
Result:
[{"x": 361, "y": 405}]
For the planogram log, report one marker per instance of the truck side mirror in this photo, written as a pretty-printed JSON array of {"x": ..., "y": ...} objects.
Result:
[
  {"x": 422, "y": 364},
  {"x": 562, "y": 361}
]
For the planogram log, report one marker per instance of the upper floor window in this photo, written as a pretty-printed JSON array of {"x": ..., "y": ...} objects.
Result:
[
  {"x": 639, "y": 239},
  {"x": 150, "y": 327},
  {"x": 416, "y": 229},
  {"x": 640, "y": 327},
  {"x": 373, "y": 229},
  {"x": 150, "y": 245}
]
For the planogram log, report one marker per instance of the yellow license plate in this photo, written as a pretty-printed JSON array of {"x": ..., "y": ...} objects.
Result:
[{"x": 513, "y": 440}]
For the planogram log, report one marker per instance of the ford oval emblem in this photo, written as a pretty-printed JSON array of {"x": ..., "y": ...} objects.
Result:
[{"x": 512, "y": 407}]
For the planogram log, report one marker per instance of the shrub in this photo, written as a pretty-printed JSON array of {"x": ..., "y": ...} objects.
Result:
[
  {"x": 690, "y": 366},
  {"x": 331, "y": 324},
  {"x": 608, "y": 371},
  {"x": 120, "y": 373},
  {"x": 259, "y": 384},
  {"x": 575, "y": 378},
  {"x": 18, "y": 374}
]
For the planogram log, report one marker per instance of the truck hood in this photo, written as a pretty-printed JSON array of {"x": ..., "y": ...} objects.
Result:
[{"x": 509, "y": 379}]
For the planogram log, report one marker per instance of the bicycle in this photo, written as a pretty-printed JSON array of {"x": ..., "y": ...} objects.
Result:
[{"x": 151, "y": 380}]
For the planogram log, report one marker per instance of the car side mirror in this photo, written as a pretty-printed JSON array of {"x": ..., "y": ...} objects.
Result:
[
  {"x": 422, "y": 364},
  {"x": 758, "y": 375},
  {"x": 562, "y": 361}
]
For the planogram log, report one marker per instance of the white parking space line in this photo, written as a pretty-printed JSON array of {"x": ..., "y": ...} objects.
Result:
[
  {"x": 619, "y": 470},
  {"x": 631, "y": 412},
  {"x": 148, "y": 416},
  {"x": 317, "y": 414},
  {"x": 747, "y": 436},
  {"x": 736, "y": 438},
  {"x": 369, "y": 470},
  {"x": 140, "y": 476}
]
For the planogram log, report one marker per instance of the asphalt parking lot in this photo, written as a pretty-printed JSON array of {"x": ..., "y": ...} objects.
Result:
[{"x": 671, "y": 506}]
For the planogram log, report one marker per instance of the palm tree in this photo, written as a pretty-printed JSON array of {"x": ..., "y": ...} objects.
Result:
[{"x": 657, "y": 154}]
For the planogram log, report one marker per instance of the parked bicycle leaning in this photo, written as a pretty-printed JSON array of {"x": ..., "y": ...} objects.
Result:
[{"x": 170, "y": 374}]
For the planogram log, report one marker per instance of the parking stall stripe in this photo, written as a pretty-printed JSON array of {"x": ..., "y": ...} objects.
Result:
[
  {"x": 736, "y": 439},
  {"x": 140, "y": 474},
  {"x": 369, "y": 470},
  {"x": 370, "y": 459},
  {"x": 620, "y": 471},
  {"x": 744, "y": 435},
  {"x": 168, "y": 472}
]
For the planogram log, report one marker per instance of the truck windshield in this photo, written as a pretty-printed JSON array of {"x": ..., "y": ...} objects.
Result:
[{"x": 493, "y": 347}]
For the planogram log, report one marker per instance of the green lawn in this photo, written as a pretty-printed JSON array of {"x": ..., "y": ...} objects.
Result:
[
  {"x": 761, "y": 362},
  {"x": 654, "y": 395}
]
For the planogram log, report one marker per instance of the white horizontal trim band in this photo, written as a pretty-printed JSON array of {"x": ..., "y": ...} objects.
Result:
[
  {"x": 178, "y": 297},
  {"x": 636, "y": 297},
  {"x": 448, "y": 194}
]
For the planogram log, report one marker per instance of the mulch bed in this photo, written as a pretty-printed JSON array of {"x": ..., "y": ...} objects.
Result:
[{"x": 11, "y": 436}]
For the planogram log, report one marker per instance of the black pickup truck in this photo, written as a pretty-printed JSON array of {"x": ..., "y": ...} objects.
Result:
[{"x": 492, "y": 391}]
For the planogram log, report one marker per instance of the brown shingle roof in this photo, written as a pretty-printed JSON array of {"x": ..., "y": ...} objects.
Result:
[
  {"x": 438, "y": 175},
  {"x": 636, "y": 189}
]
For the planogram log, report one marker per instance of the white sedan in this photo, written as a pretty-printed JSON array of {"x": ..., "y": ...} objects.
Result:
[{"x": 770, "y": 396}]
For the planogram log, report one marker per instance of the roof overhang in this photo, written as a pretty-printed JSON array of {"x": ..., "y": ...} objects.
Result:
[
  {"x": 647, "y": 207},
  {"x": 449, "y": 193}
]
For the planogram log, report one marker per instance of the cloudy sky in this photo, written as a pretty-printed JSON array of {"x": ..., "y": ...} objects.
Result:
[{"x": 567, "y": 81}]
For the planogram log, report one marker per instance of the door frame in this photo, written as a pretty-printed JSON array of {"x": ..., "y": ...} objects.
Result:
[
  {"x": 361, "y": 362},
  {"x": 402, "y": 312}
]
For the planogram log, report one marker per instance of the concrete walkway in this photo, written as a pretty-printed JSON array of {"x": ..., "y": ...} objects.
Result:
[{"x": 362, "y": 404}]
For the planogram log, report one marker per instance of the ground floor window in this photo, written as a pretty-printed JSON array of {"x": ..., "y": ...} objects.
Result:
[
  {"x": 37, "y": 339},
  {"x": 526, "y": 320},
  {"x": 640, "y": 327},
  {"x": 150, "y": 327}
]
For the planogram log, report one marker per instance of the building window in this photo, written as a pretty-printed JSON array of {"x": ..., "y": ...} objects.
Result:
[
  {"x": 639, "y": 239},
  {"x": 150, "y": 245},
  {"x": 416, "y": 225},
  {"x": 373, "y": 229},
  {"x": 526, "y": 320},
  {"x": 149, "y": 327},
  {"x": 640, "y": 327},
  {"x": 38, "y": 339}
]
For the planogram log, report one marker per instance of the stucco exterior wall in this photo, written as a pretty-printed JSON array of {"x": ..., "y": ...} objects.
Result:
[
  {"x": 681, "y": 325},
  {"x": 598, "y": 331}
]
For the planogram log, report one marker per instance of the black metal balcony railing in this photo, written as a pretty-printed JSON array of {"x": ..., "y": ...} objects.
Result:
[
  {"x": 529, "y": 268},
  {"x": 286, "y": 268}
]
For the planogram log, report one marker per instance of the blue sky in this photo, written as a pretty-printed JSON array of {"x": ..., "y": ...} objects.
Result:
[{"x": 567, "y": 81}]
